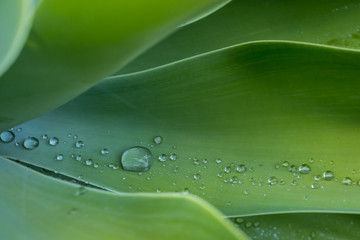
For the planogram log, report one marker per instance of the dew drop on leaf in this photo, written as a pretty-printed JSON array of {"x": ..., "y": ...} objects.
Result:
[
  {"x": 7, "y": 136},
  {"x": 347, "y": 181},
  {"x": 158, "y": 140},
  {"x": 272, "y": 180},
  {"x": 162, "y": 157},
  {"x": 31, "y": 143},
  {"x": 241, "y": 168},
  {"x": 104, "y": 151},
  {"x": 304, "y": 168},
  {"x": 53, "y": 141},
  {"x": 79, "y": 144},
  {"x": 328, "y": 175},
  {"x": 137, "y": 159},
  {"x": 59, "y": 157}
]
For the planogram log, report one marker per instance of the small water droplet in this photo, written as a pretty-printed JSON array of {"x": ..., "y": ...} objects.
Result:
[
  {"x": 174, "y": 147},
  {"x": 227, "y": 169},
  {"x": 80, "y": 191},
  {"x": 31, "y": 143},
  {"x": 202, "y": 187},
  {"x": 220, "y": 174},
  {"x": 256, "y": 224},
  {"x": 78, "y": 158},
  {"x": 272, "y": 180},
  {"x": 196, "y": 161},
  {"x": 79, "y": 144},
  {"x": 246, "y": 192},
  {"x": 239, "y": 220},
  {"x": 317, "y": 178},
  {"x": 205, "y": 161},
  {"x": 234, "y": 179},
  {"x": 162, "y": 157},
  {"x": 315, "y": 186},
  {"x": 59, "y": 157},
  {"x": 285, "y": 164},
  {"x": 294, "y": 183},
  {"x": 328, "y": 175},
  {"x": 186, "y": 190},
  {"x": 241, "y": 168},
  {"x": 104, "y": 151},
  {"x": 17, "y": 144},
  {"x": 53, "y": 141},
  {"x": 89, "y": 162},
  {"x": 137, "y": 159},
  {"x": 248, "y": 224},
  {"x": 173, "y": 156},
  {"x": 44, "y": 136},
  {"x": 218, "y": 160},
  {"x": 347, "y": 181},
  {"x": 277, "y": 166},
  {"x": 158, "y": 139},
  {"x": 304, "y": 168},
  {"x": 292, "y": 168},
  {"x": 197, "y": 176},
  {"x": 311, "y": 160},
  {"x": 96, "y": 165},
  {"x": 7, "y": 136},
  {"x": 19, "y": 129}
]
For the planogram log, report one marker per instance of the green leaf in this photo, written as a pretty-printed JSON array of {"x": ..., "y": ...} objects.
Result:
[
  {"x": 321, "y": 21},
  {"x": 301, "y": 226},
  {"x": 257, "y": 104},
  {"x": 37, "y": 207},
  {"x": 75, "y": 44},
  {"x": 15, "y": 22}
]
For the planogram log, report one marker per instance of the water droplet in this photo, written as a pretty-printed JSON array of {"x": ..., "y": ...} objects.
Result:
[
  {"x": 31, "y": 143},
  {"x": 163, "y": 157},
  {"x": 294, "y": 183},
  {"x": 292, "y": 168},
  {"x": 239, "y": 220},
  {"x": 248, "y": 224},
  {"x": 196, "y": 161},
  {"x": 17, "y": 144},
  {"x": 19, "y": 129},
  {"x": 44, "y": 136},
  {"x": 96, "y": 165},
  {"x": 80, "y": 191},
  {"x": 256, "y": 224},
  {"x": 311, "y": 160},
  {"x": 272, "y": 180},
  {"x": 137, "y": 159},
  {"x": 315, "y": 186},
  {"x": 227, "y": 169},
  {"x": 202, "y": 187},
  {"x": 241, "y": 168},
  {"x": 220, "y": 174},
  {"x": 285, "y": 164},
  {"x": 234, "y": 179},
  {"x": 89, "y": 162},
  {"x": 317, "y": 178},
  {"x": 246, "y": 192},
  {"x": 7, "y": 136},
  {"x": 197, "y": 176},
  {"x": 186, "y": 190},
  {"x": 53, "y": 141},
  {"x": 104, "y": 151},
  {"x": 78, "y": 158},
  {"x": 347, "y": 181},
  {"x": 173, "y": 156},
  {"x": 277, "y": 166},
  {"x": 59, "y": 157},
  {"x": 174, "y": 147},
  {"x": 328, "y": 175},
  {"x": 158, "y": 140},
  {"x": 79, "y": 144},
  {"x": 205, "y": 161},
  {"x": 218, "y": 160},
  {"x": 304, "y": 168}
]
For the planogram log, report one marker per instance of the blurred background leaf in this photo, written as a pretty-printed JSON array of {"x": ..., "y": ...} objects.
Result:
[{"x": 74, "y": 44}]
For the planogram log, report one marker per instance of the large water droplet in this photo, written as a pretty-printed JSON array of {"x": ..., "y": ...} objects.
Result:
[
  {"x": 137, "y": 159},
  {"x": 31, "y": 143},
  {"x": 304, "y": 168},
  {"x": 53, "y": 141},
  {"x": 328, "y": 175},
  {"x": 7, "y": 136}
]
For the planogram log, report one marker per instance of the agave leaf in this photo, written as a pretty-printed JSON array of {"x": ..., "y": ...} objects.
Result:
[
  {"x": 256, "y": 104},
  {"x": 322, "y": 21},
  {"x": 52, "y": 209},
  {"x": 74, "y": 44},
  {"x": 15, "y": 22},
  {"x": 301, "y": 226}
]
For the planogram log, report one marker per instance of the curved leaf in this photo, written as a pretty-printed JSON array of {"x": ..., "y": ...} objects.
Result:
[
  {"x": 15, "y": 22},
  {"x": 50, "y": 209},
  {"x": 74, "y": 44},
  {"x": 325, "y": 22},
  {"x": 256, "y": 104}
]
